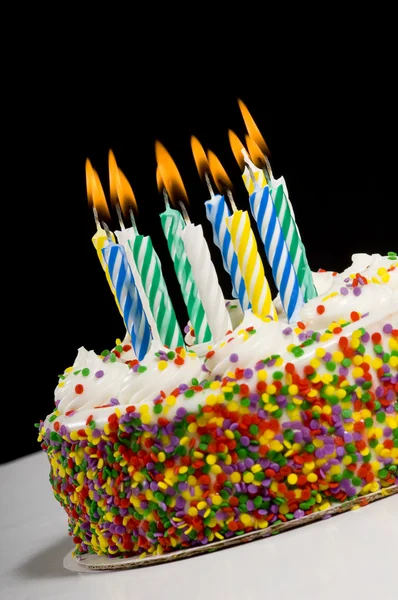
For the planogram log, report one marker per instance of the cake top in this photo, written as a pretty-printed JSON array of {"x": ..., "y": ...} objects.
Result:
[{"x": 363, "y": 295}]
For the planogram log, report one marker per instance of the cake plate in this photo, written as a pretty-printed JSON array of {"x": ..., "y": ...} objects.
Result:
[{"x": 92, "y": 562}]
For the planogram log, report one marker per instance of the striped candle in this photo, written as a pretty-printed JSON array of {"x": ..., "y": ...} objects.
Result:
[
  {"x": 250, "y": 263},
  {"x": 270, "y": 230},
  {"x": 126, "y": 237},
  {"x": 173, "y": 224},
  {"x": 294, "y": 244},
  {"x": 100, "y": 240},
  {"x": 128, "y": 298},
  {"x": 285, "y": 212},
  {"x": 217, "y": 211},
  {"x": 150, "y": 270},
  {"x": 205, "y": 276}
]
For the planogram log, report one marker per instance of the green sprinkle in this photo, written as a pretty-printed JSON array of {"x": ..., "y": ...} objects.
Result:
[
  {"x": 378, "y": 349},
  {"x": 141, "y": 369},
  {"x": 85, "y": 372},
  {"x": 189, "y": 393},
  {"x": 105, "y": 353}
]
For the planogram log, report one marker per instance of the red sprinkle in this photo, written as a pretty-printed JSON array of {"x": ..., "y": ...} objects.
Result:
[
  {"x": 79, "y": 389},
  {"x": 320, "y": 309}
]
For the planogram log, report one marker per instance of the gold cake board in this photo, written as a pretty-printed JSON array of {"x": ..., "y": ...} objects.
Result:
[{"x": 92, "y": 562}]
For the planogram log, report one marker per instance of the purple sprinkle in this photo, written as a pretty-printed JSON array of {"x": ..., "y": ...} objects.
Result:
[
  {"x": 244, "y": 440},
  {"x": 234, "y": 358},
  {"x": 248, "y": 373},
  {"x": 357, "y": 291},
  {"x": 344, "y": 291},
  {"x": 387, "y": 328},
  {"x": 99, "y": 374},
  {"x": 287, "y": 330},
  {"x": 114, "y": 401}
]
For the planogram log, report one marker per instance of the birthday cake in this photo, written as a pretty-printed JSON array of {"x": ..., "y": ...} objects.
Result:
[
  {"x": 267, "y": 413},
  {"x": 272, "y": 423}
]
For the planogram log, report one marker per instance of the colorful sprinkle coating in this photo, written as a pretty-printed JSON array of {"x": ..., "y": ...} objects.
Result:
[{"x": 267, "y": 445}]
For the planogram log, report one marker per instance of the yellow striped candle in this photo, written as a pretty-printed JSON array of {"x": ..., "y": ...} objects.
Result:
[{"x": 250, "y": 263}]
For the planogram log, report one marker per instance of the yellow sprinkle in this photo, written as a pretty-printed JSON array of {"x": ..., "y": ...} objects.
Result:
[
  {"x": 216, "y": 499},
  {"x": 235, "y": 477},
  {"x": 202, "y": 505},
  {"x": 162, "y": 365},
  {"x": 261, "y": 375},
  {"x": 211, "y": 459},
  {"x": 216, "y": 469},
  {"x": 312, "y": 477},
  {"x": 192, "y": 511},
  {"x": 292, "y": 479},
  {"x": 246, "y": 520},
  {"x": 248, "y": 477}
]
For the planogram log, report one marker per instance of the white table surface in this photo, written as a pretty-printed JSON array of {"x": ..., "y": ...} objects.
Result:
[{"x": 354, "y": 555}]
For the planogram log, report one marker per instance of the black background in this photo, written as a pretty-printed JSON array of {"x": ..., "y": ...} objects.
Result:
[{"x": 332, "y": 134}]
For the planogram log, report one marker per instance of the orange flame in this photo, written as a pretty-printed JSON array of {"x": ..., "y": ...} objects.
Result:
[
  {"x": 126, "y": 195},
  {"x": 236, "y": 147},
  {"x": 257, "y": 157},
  {"x": 218, "y": 173},
  {"x": 252, "y": 129},
  {"x": 159, "y": 180},
  {"x": 199, "y": 156},
  {"x": 95, "y": 193},
  {"x": 169, "y": 174},
  {"x": 120, "y": 188},
  {"x": 114, "y": 180}
]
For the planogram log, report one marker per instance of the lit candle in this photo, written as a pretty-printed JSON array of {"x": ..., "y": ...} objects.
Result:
[
  {"x": 122, "y": 192},
  {"x": 173, "y": 225},
  {"x": 96, "y": 199},
  {"x": 150, "y": 269},
  {"x": 205, "y": 276},
  {"x": 270, "y": 230},
  {"x": 128, "y": 298},
  {"x": 288, "y": 225},
  {"x": 217, "y": 211},
  {"x": 251, "y": 266}
]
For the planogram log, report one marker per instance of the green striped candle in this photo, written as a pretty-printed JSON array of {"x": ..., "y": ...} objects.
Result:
[
  {"x": 294, "y": 244},
  {"x": 150, "y": 270},
  {"x": 172, "y": 224}
]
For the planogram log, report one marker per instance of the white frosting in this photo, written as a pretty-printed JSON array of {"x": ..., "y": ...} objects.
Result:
[{"x": 137, "y": 388}]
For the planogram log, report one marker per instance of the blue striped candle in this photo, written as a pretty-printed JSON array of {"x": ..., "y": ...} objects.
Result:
[
  {"x": 217, "y": 211},
  {"x": 270, "y": 230},
  {"x": 128, "y": 298}
]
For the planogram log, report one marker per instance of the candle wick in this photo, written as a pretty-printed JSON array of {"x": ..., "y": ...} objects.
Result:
[
  {"x": 96, "y": 218},
  {"x": 231, "y": 200},
  {"x": 209, "y": 186},
  {"x": 166, "y": 198},
  {"x": 269, "y": 168},
  {"x": 107, "y": 231},
  {"x": 120, "y": 217},
  {"x": 132, "y": 219},
  {"x": 251, "y": 172},
  {"x": 184, "y": 213}
]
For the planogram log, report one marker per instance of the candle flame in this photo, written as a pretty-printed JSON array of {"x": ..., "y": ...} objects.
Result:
[
  {"x": 200, "y": 157},
  {"x": 218, "y": 173},
  {"x": 159, "y": 180},
  {"x": 236, "y": 147},
  {"x": 114, "y": 179},
  {"x": 169, "y": 174},
  {"x": 256, "y": 156},
  {"x": 120, "y": 188},
  {"x": 126, "y": 195},
  {"x": 252, "y": 129},
  {"x": 95, "y": 193}
]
